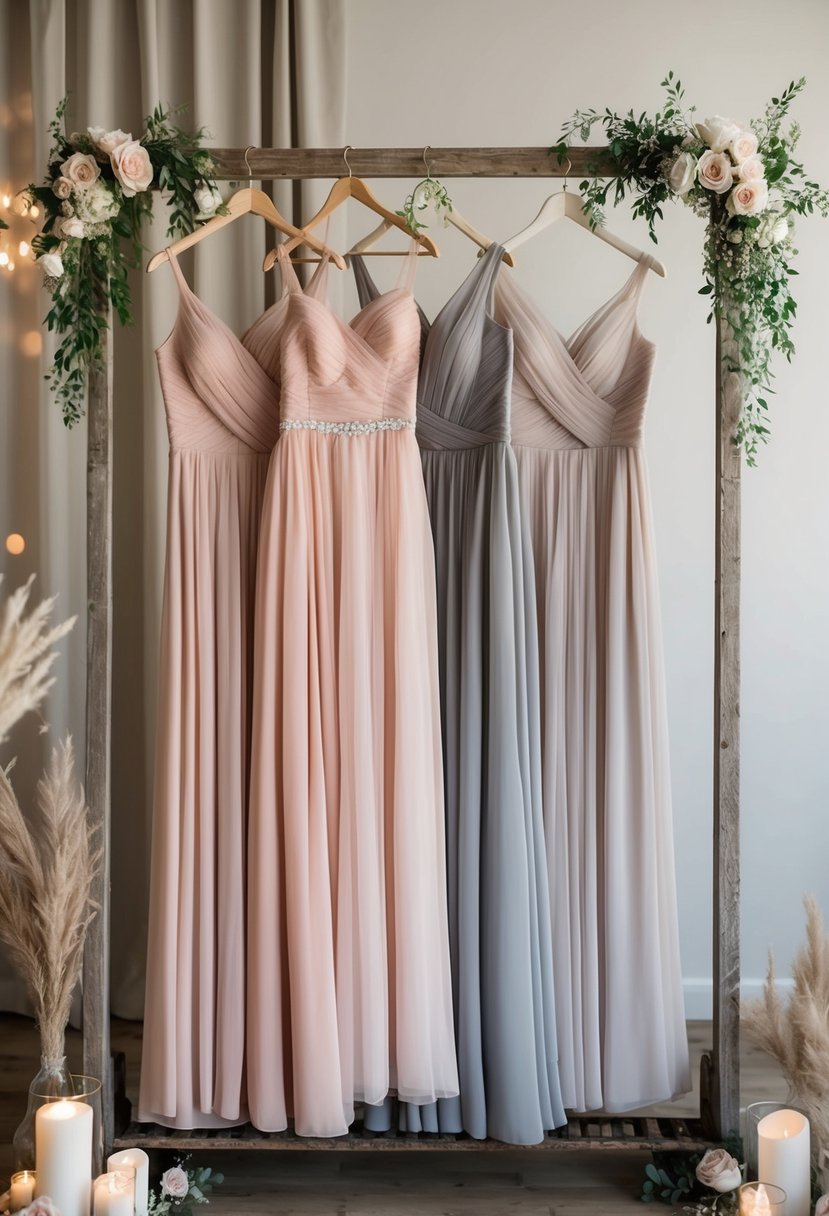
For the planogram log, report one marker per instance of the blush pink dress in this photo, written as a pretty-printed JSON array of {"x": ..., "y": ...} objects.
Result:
[
  {"x": 349, "y": 990},
  {"x": 578, "y": 411},
  {"x": 221, "y": 400}
]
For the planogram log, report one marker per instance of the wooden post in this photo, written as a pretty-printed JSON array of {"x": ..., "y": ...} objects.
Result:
[
  {"x": 96, "y": 1040},
  {"x": 721, "y": 1076}
]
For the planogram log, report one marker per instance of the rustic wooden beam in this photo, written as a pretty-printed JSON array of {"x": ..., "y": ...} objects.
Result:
[
  {"x": 96, "y": 1037},
  {"x": 268, "y": 164},
  {"x": 721, "y": 1102}
]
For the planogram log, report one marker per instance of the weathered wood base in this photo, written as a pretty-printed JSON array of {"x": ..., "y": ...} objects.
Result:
[{"x": 593, "y": 1132}]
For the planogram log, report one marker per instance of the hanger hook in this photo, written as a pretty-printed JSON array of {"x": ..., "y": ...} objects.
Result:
[
  {"x": 249, "y": 148},
  {"x": 566, "y": 172},
  {"x": 426, "y": 164},
  {"x": 348, "y": 148}
]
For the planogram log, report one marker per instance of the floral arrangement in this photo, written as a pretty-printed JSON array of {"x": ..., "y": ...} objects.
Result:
[
  {"x": 744, "y": 180},
  {"x": 707, "y": 1185},
  {"x": 180, "y": 1189},
  {"x": 97, "y": 191}
]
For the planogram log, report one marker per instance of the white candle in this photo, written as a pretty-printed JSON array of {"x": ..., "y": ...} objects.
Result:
[
  {"x": 22, "y": 1190},
  {"x": 784, "y": 1158},
  {"x": 63, "y": 1155},
  {"x": 113, "y": 1194},
  {"x": 140, "y": 1161}
]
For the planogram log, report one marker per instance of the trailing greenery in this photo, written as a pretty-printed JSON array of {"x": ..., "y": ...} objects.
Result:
[
  {"x": 746, "y": 183},
  {"x": 430, "y": 190},
  {"x": 97, "y": 192}
]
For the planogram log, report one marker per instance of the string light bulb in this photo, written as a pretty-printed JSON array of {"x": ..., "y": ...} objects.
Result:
[
  {"x": 10, "y": 265},
  {"x": 7, "y": 201},
  {"x": 23, "y": 249},
  {"x": 4, "y": 258}
]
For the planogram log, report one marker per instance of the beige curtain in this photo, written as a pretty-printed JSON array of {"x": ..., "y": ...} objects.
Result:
[{"x": 260, "y": 72}]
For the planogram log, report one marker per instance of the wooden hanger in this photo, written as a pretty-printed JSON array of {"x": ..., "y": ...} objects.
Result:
[
  {"x": 566, "y": 205},
  {"x": 246, "y": 201},
  {"x": 451, "y": 216},
  {"x": 356, "y": 188}
]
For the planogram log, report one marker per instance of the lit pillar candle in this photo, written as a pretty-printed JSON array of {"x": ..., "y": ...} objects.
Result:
[
  {"x": 63, "y": 1155},
  {"x": 113, "y": 1194},
  {"x": 784, "y": 1158},
  {"x": 22, "y": 1190},
  {"x": 140, "y": 1162}
]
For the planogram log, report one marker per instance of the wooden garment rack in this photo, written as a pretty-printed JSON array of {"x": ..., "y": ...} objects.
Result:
[{"x": 720, "y": 1094}]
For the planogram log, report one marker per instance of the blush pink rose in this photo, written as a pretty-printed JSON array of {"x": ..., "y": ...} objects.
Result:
[
  {"x": 748, "y": 198},
  {"x": 714, "y": 172},
  {"x": 719, "y": 1171},
  {"x": 175, "y": 1183},
  {"x": 751, "y": 169},
  {"x": 743, "y": 145},
  {"x": 80, "y": 169},
  {"x": 131, "y": 165}
]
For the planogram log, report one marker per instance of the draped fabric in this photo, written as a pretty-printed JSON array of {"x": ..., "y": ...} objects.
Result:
[{"x": 259, "y": 72}]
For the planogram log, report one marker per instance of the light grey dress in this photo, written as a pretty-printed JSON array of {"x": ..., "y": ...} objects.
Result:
[{"x": 499, "y": 912}]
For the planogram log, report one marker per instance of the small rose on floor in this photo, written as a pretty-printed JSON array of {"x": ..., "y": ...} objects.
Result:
[
  {"x": 42, "y": 1206},
  {"x": 719, "y": 1171},
  {"x": 175, "y": 1183}
]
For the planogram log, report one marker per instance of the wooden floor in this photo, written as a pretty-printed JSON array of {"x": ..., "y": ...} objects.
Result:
[{"x": 511, "y": 1183}]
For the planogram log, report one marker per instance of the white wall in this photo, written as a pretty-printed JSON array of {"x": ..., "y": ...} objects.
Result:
[{"x": 482, "y": 72}]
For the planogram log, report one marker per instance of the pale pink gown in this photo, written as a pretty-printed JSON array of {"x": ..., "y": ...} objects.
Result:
[
  {"x": 578, "y": 411},
  {"x": 221, "y": 400},
  {"x": 349, "y": 992}
]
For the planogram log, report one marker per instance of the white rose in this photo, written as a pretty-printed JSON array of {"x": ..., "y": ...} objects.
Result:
[
  {"x": 108, "y": 141},
  {"x": 175, "y": 1183},
  {"x": 52, "y": 265},
  {"x": 748, "y": 198},
  {"x": 743, "y": 145},
  {"x": 735, "y": 236},
  {"x": 718, "y": 132},
  {"x": 751, "y": 169},
  {"x": 80, "y": 169},
  {"x": 95, "y": 204},
  {"x": 714, "y": 172},
  {"x": 682, "y": 174},
  {"x": 61, "y": 187},
  {"x": 780, "y": 230},
  {"x": 207, "y": 199},
  {"x": 131, "y": 165},
  {"x": 69, "y": 227},
  {"x": 719, "y": 1171},
  {"x": 822, "y": 1206}
]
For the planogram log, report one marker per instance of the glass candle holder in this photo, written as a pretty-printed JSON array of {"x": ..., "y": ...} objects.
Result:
[
  {"x": 755, "y": 1113},
  {"x": 113, "y": 1193},
  {"x": 762, "y": 1199},
  {"x": 22, "y": 1190}
]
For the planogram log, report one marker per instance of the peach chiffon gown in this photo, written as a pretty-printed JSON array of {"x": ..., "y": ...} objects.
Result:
[
  {"x": 221, "y": 396},
  {"x": 578, "y": 412},
  {"x": 349, "y": 990}
]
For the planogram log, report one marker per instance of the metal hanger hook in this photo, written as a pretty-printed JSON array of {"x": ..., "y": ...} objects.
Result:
[
  {"x": 566, "y": 172},
  {"x": 249, "y": 148},
  {"x": 348, "y": 148},
  {"x": 426, "y": 164}
]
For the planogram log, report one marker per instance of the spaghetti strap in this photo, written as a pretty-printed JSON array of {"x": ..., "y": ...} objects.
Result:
[
  {"x": 406, "y": 278},
  {"x": 184, "y": 286}
]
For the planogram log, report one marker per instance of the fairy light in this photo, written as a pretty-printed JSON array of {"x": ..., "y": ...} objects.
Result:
[
  {"x": 4, "y": 258},
  {"x": 10, "y": 265},
  {"x": 7, "y": 201},
  {"x": 23, "y": 249},
  {"x": 15, "y": 544}
]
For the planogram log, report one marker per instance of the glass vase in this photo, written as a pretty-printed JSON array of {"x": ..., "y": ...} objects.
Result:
[{"x": 53, "y": 1081}]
